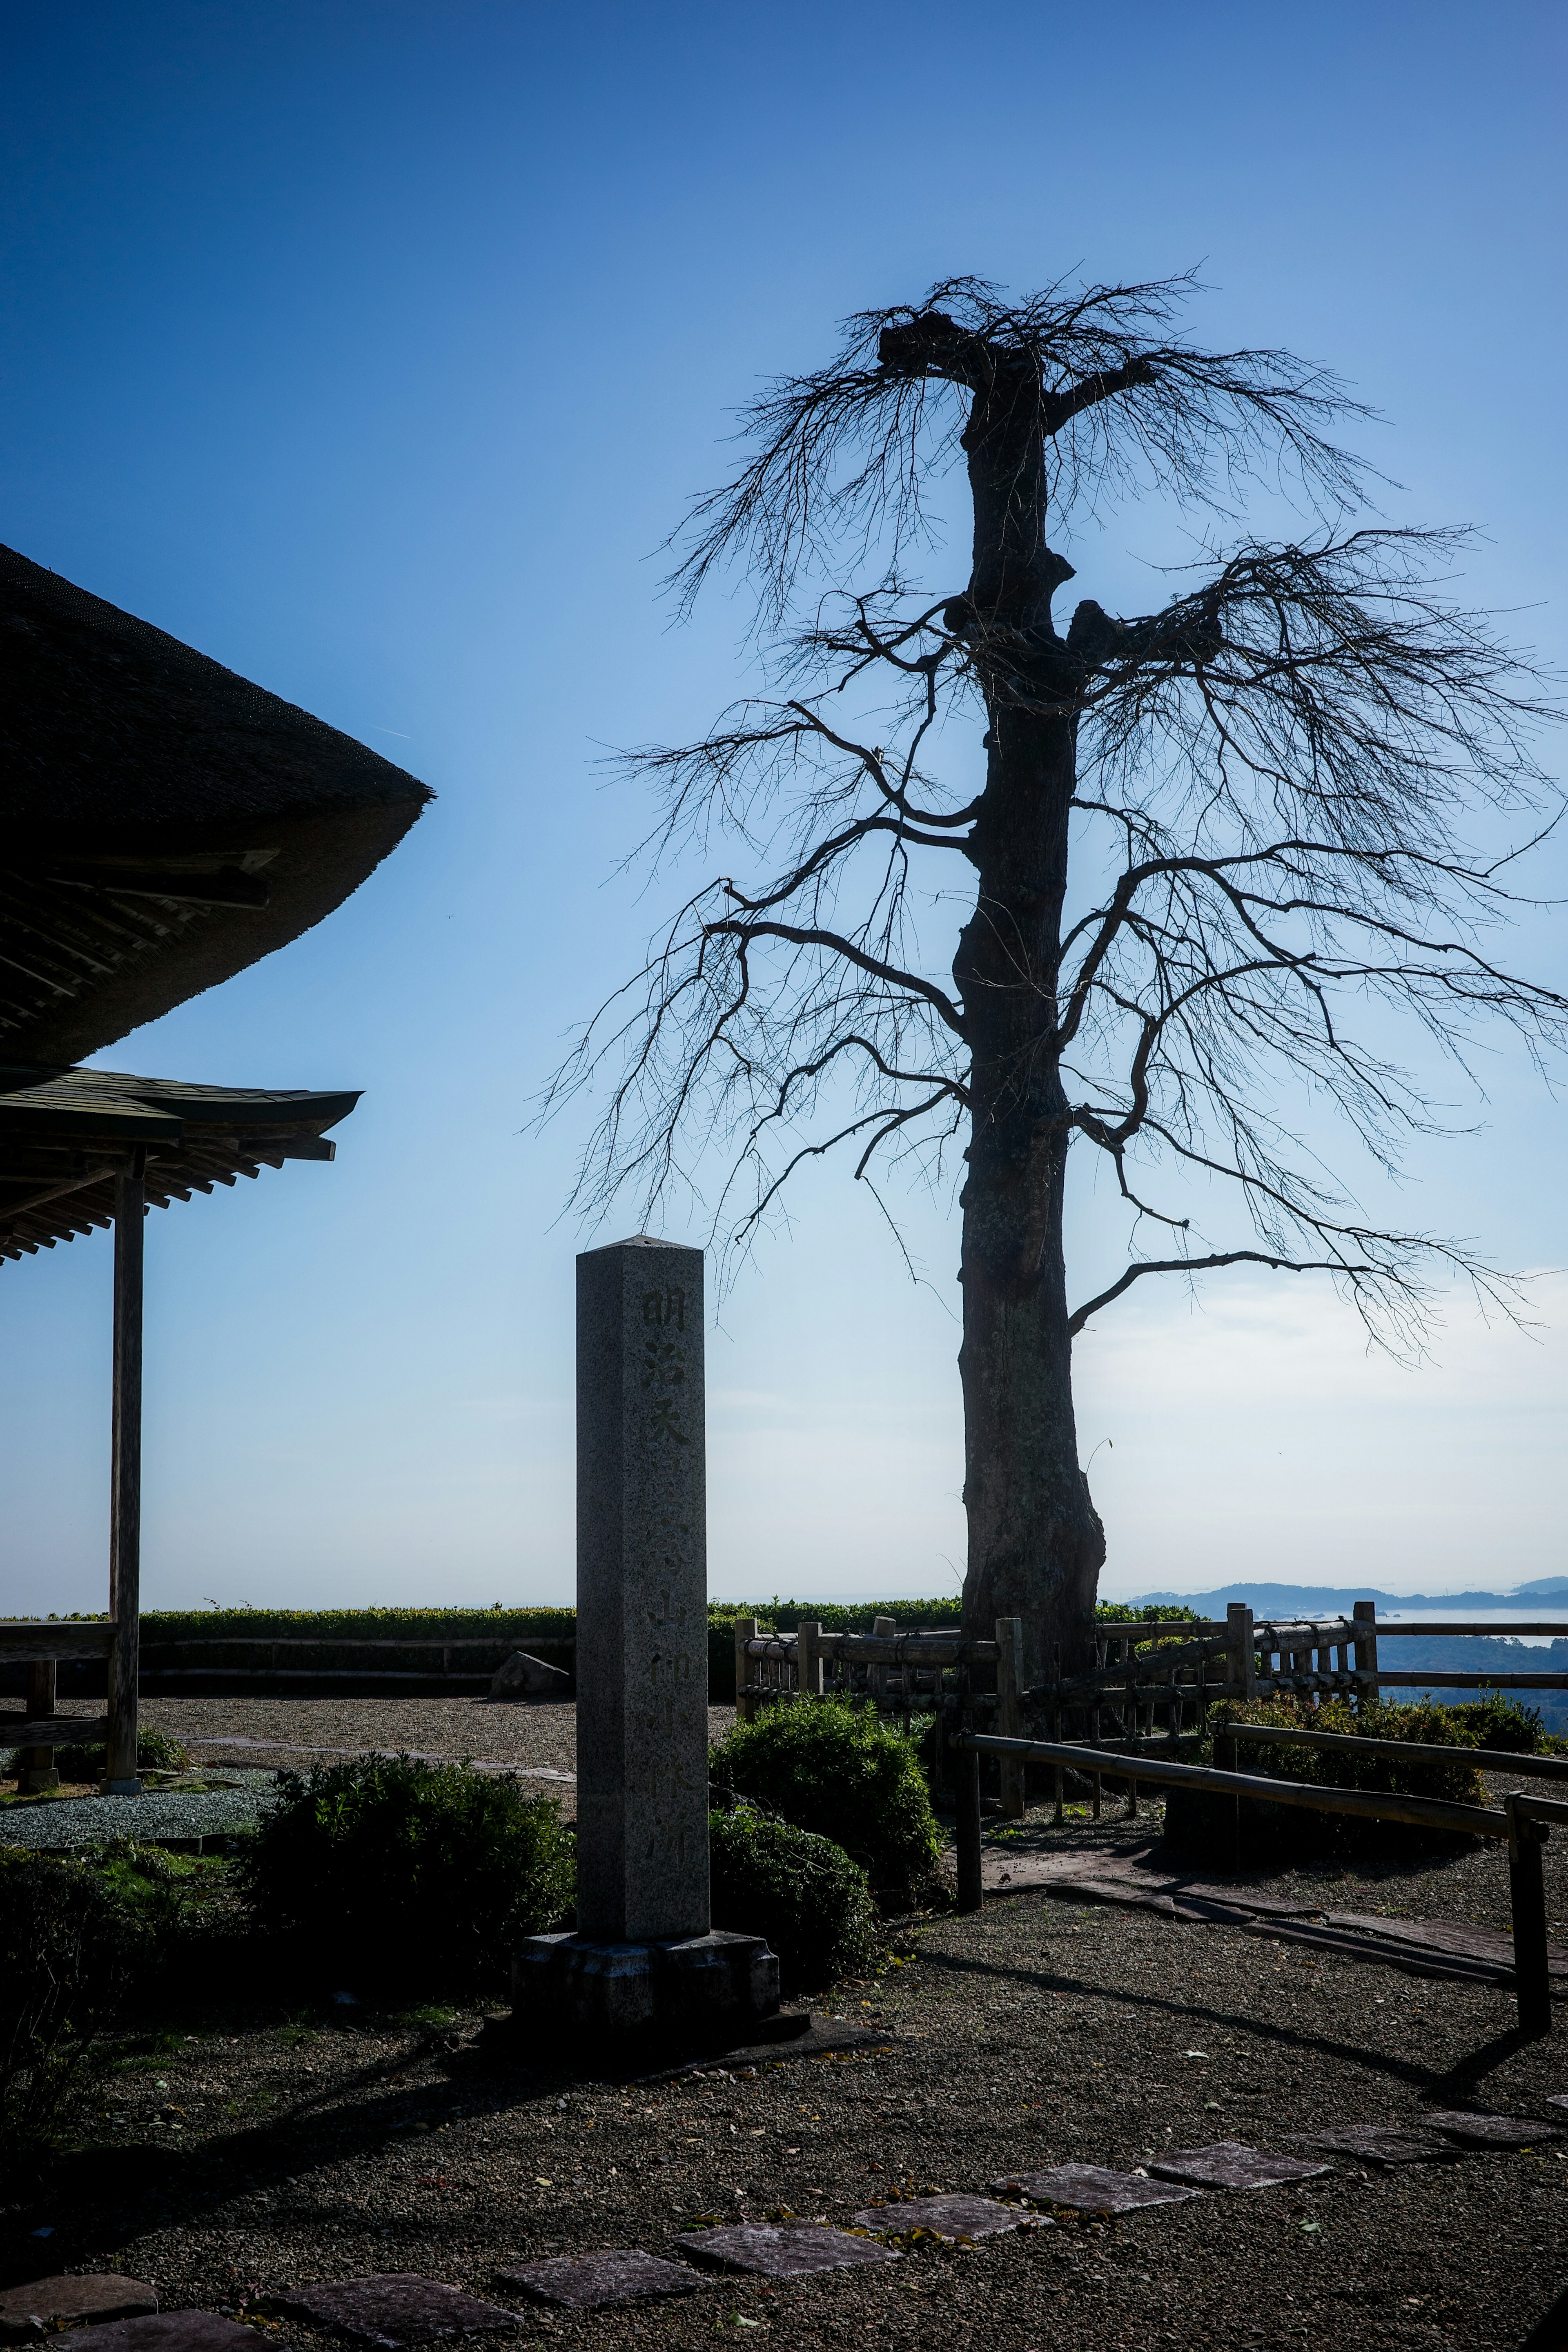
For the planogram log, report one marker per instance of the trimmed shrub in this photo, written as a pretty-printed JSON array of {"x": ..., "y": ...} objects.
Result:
[
  {"x": 1499, "y": 1722},
  {"x": 1202, "y": 1824},
  {"x": 801, "y": 1891},
  {"x": 68, "y": 1954},
  {"x": 845, "y": 1774},
  {"x": 407, "y": 1873}
]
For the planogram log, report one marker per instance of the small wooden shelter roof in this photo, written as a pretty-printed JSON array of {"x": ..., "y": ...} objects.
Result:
[
  {"x": 65, "y": 1134},
  {"x": 166, "y": 823}
]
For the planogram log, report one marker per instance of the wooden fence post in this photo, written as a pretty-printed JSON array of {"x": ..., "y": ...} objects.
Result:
[
  {"x": 1527, "y": 1893},
  {"x": 1227, "y": 1759},
  {"x": 1010, "y": 1709},
  {"x": 1366, "y": 1615},
  {"x": 966, "y": 1791},
  {"x": 809, "y": 1660},
  {"x": 884, "y": 1628},
  {"x": 1243, "y": 1648},
  {"x": 745, "y": 1630}
]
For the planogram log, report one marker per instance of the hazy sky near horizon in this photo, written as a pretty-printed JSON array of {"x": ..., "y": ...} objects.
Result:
[{"x": 373, "y": 350}]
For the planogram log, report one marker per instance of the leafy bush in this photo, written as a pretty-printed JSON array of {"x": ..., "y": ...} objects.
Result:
[
  {"x": 1424, "y": 1724},
  {"x": 1207, "y": 1824},
  {"x": 69, "y": 1952},
  {"x": 801, "y": 1891},
  {"x": 848, "y": 1775},
  {"x": 1496, "y": 1721},
  {"x": 407, "y": 1872}
]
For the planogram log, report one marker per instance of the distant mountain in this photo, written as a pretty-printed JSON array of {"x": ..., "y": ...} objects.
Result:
[{"x": 1278, "y": 1600}]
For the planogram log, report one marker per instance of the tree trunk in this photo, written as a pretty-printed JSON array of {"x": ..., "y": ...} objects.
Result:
[{"x": 1036, "y": 1543}]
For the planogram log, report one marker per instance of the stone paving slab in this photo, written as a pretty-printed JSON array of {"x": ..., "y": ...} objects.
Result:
[
  {"x": 1090, "y": 2188},
  {"x": 172, "y": 2331},
  {"x": 587, "y": 2282},
  {"x": 1381, "y": 2144},
  {"x": 783, "y": 2252},
  {"x": 1229, "y": 2165},
  {"x": 947, "y": 2217},
  {"x": 1490, "y": 2131},
  {"x": 396, "y": 2307},
  {"x": 43, "y": 2305}
]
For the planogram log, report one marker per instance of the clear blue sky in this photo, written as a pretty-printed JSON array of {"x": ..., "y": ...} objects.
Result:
[{"x": 373, "y": 350}]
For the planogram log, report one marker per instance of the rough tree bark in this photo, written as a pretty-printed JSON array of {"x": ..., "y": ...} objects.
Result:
[{"x": 1036, "y": 1542}]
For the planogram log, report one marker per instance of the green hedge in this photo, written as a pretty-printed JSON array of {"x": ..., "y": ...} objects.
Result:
[
  {"x": 520, "y": 1625},
  {"x": 801, "y": 1891},
  {"x": 845, "y": 1773},
  {"x": 394, "y": 1872},
  {"x": 1201, "y": 1825}
]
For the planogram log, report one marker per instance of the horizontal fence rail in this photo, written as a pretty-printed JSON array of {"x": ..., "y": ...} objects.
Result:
[{"x": 1427, "y": 1812}]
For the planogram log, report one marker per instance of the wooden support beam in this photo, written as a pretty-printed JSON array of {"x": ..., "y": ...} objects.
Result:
[
  {"x": 36, "y": 1765},
  {"x": 32, "y": 1731},
  {"x": 22, "y": 1643},
  {"x": 125, "y": 1496}
]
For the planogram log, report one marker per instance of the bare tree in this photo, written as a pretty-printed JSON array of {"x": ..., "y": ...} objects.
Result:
[{"x": 1212, "y": 849}]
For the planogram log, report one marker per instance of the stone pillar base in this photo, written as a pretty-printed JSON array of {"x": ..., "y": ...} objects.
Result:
[
  {"x": 37, "y": 1783},
  {"x": 717, "y": 1982}
]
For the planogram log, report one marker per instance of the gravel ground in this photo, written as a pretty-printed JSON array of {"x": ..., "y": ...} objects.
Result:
[
  {"x": 252, "y": 2153},
  {"x": 161, "y": 1815},
  {"x": 537, "y": 1736}
]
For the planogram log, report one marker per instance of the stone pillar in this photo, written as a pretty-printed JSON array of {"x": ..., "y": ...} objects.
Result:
[
  {"x": 645, "y": 1953},
  {"x": 642, "y": 1594}
]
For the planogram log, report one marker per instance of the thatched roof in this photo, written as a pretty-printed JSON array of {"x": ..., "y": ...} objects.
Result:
[
  {"x": 64, "y": 1133},
  {"x": 165, "y": 822}
]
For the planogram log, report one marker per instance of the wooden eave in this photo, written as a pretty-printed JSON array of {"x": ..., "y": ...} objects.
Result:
[
  {"x": 65, "y": 1134},
  {"x": 165, "y": 822}
]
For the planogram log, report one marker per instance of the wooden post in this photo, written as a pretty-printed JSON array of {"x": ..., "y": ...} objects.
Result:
[
  {"x": 1057, "y": 1783},
  {"x": 1531, "y": 1968},
  {"x": 1243, "y": 1647},
  {"x": 36, "y": 1767},
  {"x": 1366, "y": 1615},
  {"x": 884, "y": 1628},
  {"x": 1010, "y": 1709},
  {"x": 125, "y": 1493},
  {"x": 808, "y": 1659},
  {"x": 745, "y": 1630},
  {"x": 1225, "y": 1760},
  {"x": 966, "y": 1790}
]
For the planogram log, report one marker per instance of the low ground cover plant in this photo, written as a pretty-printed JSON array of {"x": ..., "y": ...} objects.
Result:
[
  {"x": 801, "y": 1891},
  {"x": 845, "y": 1774},
  {"x": 401, "y": 1874}
]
